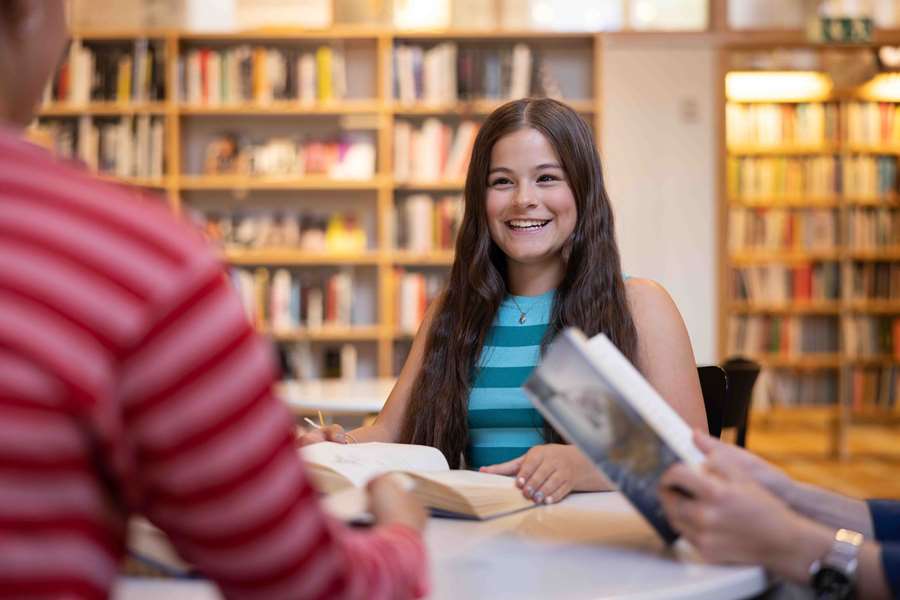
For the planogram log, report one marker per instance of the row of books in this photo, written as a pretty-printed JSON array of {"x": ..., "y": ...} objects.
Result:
[
  {"x": 432, "y": 152},
  {"x": 303, "y": 361},
  {"x": 871, "y": 228},
  {"x": 778, "y": 283},
  {"x": 775, "y": 228},
  {"x": 874, "y": 389},
  {"x": 790, "y": 388},
  {"x": 447, "y": 73},
  {"x": 283, "y": 301},
  {"x": 414, "y": 291},
  {"x": 124, "y": 146},
  {"x": 781, "y": 177},
  {"x": 312, "y": 232},
  {"x": 258, "y": 74},
  {"x": 424, "y": 224},
  {"x": 113, "y": 73},
  {"x": 350, "y": 155},
  {"x": 816, "y": 177},
  {"x": 790, "y": 336},
  {"x": 781, "y": 124},
  {"x": 874, "y": 123},
  {"x": 872, "y": 281},
  {"x": 871, "y": 336}
]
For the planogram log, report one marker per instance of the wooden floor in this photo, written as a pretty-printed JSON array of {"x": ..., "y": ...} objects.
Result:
[{"x": 872, "y": 469}]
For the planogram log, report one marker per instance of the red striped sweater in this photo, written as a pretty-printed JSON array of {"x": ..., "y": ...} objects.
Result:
[{"x": 130, "y": 381}]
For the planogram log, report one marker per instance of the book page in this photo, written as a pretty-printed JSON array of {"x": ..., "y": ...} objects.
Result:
[
  {"x": 361, "y": 462},
  {"x": 463, "y": 478}
]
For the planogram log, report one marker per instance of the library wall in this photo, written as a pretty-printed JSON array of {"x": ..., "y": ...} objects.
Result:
[{"x": 658, "y": 146}]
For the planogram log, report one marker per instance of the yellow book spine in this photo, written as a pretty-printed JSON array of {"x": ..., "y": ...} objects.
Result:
[
  {"x": 123, "y": 89},
  {"x": 323, "y": 73}
]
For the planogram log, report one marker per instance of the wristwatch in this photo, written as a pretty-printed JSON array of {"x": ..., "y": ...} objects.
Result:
[{"x": 833, "y": 577}]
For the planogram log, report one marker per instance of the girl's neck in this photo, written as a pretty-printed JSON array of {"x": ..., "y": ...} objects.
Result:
[{"x": 533, "y": 279}]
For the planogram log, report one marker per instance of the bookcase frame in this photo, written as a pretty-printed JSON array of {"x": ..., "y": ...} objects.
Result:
[
  {"x": 174, "y": 183},
  {"x": 840, "y": 418}
]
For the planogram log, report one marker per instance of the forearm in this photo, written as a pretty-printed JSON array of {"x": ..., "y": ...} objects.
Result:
[
  {"x": 371, "y": 433},
  {"x": 809, "y": 541},
  {"x": 829, "y": 508}
]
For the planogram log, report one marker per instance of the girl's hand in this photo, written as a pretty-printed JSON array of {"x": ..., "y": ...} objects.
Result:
[
  {"x": 329, "y": 433},
  {"x": 546, "y": 473}
]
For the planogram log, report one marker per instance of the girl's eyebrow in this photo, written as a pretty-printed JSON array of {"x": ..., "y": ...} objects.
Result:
[
  {"x": 503, "y": 169},
  {"x": 537, "y": 168}
]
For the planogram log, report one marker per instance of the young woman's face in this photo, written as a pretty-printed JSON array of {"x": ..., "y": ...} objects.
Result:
[{"x": 531, "y": 210}]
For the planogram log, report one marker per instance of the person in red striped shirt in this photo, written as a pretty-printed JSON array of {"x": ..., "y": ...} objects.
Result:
[{"x": 131, "y": 382}]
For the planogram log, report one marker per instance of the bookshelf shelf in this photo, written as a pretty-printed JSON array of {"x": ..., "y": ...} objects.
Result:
[
  {"x": 283, "y": 108},
  {"x": 293, "y": 257},
  {"x": 783, "y": 256},
  {"x": 885, "y": 307},
  {"x": 786, "y": 202},
  {"x": 795, "y": 307},
  {"x": 478, "y": 107},
  {"x": 874, "y": 201},
  {"x": 880, "y": 254},
  {"x": 891, "y": 149},
  {"x": 331, "y": 334},
  {"x": 286, "y": 33},
  {"x": 437, "y": 186},
  {"x": 441, "y": 258},
  {"x": 237, "y": 182},
  {"x": 102, "y": 108},
  {"x": 885, "y": 360},
  {"x": 806, "y": 362},
  {"x": 143, "y": 182},
  {"x": 785, "y": 149}
]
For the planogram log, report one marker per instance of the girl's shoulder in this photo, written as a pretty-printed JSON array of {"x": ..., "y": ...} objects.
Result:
[{"x": 647, "y": 298}]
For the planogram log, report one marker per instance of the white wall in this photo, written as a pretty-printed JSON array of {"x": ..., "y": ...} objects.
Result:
[{"x": 658, "y": 147}]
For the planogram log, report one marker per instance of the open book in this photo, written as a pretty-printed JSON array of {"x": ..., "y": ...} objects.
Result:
[
  {"x": 467, "y": 494},
  {"x": 595, "y": 398}
]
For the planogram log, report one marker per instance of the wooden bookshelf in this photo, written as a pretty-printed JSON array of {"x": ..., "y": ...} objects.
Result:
[
  {"x": 839, "y": 315},
  {"x": 377, "y": 111}
]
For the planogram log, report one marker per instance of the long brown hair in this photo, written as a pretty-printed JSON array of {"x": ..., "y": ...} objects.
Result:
[{"x": 590, "y": 296}]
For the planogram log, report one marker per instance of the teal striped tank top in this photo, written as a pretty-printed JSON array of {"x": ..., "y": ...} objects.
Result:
[{"x": 502, "y": 423}]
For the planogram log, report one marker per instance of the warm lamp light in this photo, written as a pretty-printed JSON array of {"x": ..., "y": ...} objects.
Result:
[
  {"x": 884, "y": 88},
  {"x": 777, "y": 86}
]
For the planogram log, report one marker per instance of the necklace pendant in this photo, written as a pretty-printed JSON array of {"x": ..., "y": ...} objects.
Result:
[{"x": 521, "y": 318}]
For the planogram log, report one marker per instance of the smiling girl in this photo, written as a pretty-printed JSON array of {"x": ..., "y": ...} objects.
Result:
[{"x": 536, "y": 253}]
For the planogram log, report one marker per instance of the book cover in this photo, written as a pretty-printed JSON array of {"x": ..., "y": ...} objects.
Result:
[{"x": 599, "y": 402}]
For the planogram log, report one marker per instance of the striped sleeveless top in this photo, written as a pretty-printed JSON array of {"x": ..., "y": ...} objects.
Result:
[{"x": 502, "y": 423}]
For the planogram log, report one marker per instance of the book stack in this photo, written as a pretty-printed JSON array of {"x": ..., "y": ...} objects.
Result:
[
  {"x": 871, "y": 336},
  {"x": 414, "y": 292},
  {"x": 790, "y": 388},
  {"x": 804, "y": 124},
  {"x": 791, "y": 336},
  {"x": 774, "y": 178},
  {"x": 120, "y": 146},
  {"x": 282, "y": 301},
  {"x": 350, "y": 155},
  {"x": 425, "y": 224},
  {"x": 872, "y": 281},
  {"x": 782, "y": 229},
  {"x": 874, "y": 389},
  {"x": 873, "y": 228},
  {"x": 433, "y": 152},
  {"x": 873, "y": 123},
  {"x": 261, "y": 228},
  {"x": 778, "y": 283},
  {"x": 261, "y": 75},
  {"x": 446, "y": 73},
  {"x": 109, "y": 74},
  {"x": 869, "y": 176}
]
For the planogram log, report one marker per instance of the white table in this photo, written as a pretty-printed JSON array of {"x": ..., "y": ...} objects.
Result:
[
  {"x": 336, "y": 396},
  {"x": 590, "y": 546}
]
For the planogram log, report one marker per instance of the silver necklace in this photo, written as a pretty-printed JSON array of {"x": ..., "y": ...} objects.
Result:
[{"x": 523, "y": 313}]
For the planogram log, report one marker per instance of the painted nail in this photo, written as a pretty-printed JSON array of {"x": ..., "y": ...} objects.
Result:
[
  {"x": 538, "y": 497},
  {"x": 548, "y": 500},
  {"x": 520, "y": 481},
  {"x": 529, "y": 490}
]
